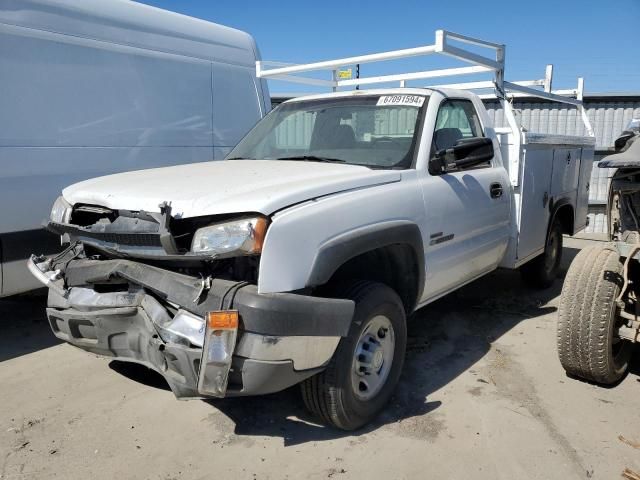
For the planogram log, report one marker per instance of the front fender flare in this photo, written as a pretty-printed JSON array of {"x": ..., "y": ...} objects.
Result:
[{"x": 337, "y": 251}]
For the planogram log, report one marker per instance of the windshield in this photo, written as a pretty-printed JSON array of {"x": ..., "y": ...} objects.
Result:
[{"x": 377, "y": 131}]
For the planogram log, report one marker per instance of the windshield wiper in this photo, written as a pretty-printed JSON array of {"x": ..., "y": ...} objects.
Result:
[{"x": 313, "y": 158}]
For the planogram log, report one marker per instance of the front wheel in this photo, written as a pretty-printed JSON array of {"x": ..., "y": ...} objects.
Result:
[{"x": 366, "y": 366}]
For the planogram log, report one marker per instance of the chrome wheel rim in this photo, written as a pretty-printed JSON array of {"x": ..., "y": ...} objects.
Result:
[{"x": 373, "y": 357}]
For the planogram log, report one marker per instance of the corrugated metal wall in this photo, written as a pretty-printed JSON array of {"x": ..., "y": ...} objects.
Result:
[{"x": 608, "y": 118}]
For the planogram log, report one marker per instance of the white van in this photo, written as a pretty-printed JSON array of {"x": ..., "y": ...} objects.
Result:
[{"x": 98, "y": 87}]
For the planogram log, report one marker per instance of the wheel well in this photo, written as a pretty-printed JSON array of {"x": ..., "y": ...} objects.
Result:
[
  {"x": 395, "y": 266},
  {"x": 564, "y": 214}
]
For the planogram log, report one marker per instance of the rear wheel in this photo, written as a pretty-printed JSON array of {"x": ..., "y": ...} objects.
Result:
[
  {"x": 588, "y": 344},
  {"x": 542, "y": 271},
  {"x": 366, "y": 366}
]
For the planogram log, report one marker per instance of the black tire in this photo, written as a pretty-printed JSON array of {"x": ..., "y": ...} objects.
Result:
[
  {"x": 542, "y": 271},
  {"x": 587, "y": 345},
  {"x": 629, "y": 236},
  {"x": 330, "y": 395}
]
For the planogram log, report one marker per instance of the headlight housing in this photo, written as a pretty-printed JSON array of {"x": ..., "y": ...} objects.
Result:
[
  {"x": 242, "y": 236},
  {"x": 61, "y": 211}
]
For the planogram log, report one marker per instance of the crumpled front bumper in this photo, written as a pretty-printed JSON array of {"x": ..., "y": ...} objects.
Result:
[{"x": 283, "y": 338}]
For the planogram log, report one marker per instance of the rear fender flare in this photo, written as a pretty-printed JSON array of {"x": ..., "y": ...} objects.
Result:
[{"x": 555, "y": 206}]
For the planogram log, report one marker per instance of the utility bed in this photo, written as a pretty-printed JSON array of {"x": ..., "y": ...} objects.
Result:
[{"x": 547, "y": 171}]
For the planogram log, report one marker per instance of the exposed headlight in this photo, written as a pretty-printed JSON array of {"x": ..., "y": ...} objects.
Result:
[
  {"x": 244, "y": 236},
  {"x": 61, "y": 211}
]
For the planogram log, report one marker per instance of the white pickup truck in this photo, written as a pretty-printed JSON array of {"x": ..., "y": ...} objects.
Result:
[{"x": 299, "y": 257}]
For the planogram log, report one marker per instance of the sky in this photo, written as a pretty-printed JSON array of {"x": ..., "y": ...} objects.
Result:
[{"x": 597, "y": 40}]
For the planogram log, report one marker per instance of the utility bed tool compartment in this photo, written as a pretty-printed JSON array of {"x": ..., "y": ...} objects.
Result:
[{"x": 555, "y": 171}]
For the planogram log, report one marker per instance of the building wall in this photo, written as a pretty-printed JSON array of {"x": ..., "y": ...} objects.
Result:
[{"x": 608, "y": 116}]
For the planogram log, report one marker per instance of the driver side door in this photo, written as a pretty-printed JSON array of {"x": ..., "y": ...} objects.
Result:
[{"x": 467, "y": 210}]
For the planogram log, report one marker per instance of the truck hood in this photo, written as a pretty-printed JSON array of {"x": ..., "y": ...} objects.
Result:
[{"x": 227, "y": 186}]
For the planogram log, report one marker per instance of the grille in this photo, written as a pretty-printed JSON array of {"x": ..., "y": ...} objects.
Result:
[{"x": 128, "y": 239}]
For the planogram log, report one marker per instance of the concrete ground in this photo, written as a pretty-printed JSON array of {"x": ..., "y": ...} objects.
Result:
[{"x": 482, "y": 396}]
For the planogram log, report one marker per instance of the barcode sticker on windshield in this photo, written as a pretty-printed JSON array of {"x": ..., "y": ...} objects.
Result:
[{"x": 406, "y": 100}]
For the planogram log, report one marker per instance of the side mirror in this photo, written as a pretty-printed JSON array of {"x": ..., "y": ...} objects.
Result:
[{"x": 466, "y": 153}]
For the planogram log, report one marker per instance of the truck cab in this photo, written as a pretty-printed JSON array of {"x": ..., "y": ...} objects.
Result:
[{"x": 298, "y": 258}]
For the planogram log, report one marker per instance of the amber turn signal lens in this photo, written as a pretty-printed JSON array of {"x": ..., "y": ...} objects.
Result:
[
  {"x": 222, "y": 320},
  {"x": 259, "y": 232}
]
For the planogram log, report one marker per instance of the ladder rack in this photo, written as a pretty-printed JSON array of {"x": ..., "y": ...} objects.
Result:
[{"x": 445, "y": 44}]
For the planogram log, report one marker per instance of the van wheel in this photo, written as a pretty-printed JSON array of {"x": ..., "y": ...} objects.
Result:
[
  {"x": 588, "y": 345},
  {"x": 542, "y": 271},
  {"x": 366, "y": 366}
]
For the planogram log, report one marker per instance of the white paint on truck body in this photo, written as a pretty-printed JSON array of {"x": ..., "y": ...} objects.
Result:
[
  {"x": 223, "y": 187},
  {"x": 312, "y": 204}
]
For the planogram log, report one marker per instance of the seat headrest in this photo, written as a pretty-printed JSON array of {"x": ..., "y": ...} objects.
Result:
[{"x": 446, "y": 137}]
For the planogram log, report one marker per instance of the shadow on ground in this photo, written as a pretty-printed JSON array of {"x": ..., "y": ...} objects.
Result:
[
  {"x": 23, "y": 325},
  {"x": 445, "y": 339}
]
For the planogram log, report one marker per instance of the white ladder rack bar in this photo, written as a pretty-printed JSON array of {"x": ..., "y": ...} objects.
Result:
[
  {"x": 307, "y": 81},
  {"x": 469, "y": 40},
  {"x": 513, "y": 87},
  {"x": 333, "y": 64},
  {"x": 443, "y": 46},
  {"x": 489, "y": 84},
  {"x": 447, "y": 72}
]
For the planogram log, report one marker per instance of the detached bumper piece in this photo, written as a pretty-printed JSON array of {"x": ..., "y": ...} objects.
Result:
[{"x": 208, "y": 339}]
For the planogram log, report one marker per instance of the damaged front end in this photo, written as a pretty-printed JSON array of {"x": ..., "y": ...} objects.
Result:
[
  {"x": 623, "y": 215},
  {"x": 132, "y": 287}
]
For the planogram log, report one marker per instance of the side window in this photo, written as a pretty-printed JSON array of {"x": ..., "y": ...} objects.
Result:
[{"x": 456, "y": 119}]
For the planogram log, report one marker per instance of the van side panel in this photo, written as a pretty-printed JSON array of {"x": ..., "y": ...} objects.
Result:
[
  {"x": 97, "y": 110},
  {"x": 235, "y": 111},
  {"x": 98, "y": 88},
  {"x": 130, "y": 23}
]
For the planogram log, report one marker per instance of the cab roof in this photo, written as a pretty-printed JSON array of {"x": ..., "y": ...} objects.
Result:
[{"x": 447, "y": 92}]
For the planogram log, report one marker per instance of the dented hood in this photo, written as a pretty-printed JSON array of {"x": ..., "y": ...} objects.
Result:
[{"x": 228, "y": 186}]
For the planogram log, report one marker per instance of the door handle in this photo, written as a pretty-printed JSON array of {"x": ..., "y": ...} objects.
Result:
[{"x": 495, "y": 190}]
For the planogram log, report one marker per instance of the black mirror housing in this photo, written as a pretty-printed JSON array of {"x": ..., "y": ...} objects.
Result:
[{"x": 466, "y": 153}]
